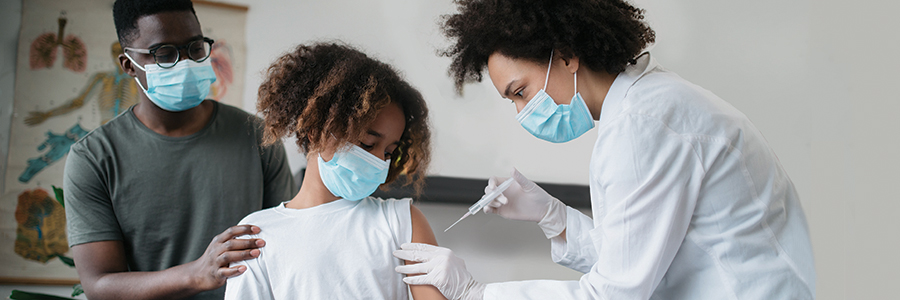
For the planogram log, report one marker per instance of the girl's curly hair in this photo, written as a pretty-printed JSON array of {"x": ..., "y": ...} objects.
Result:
[
  {"x": 328, "y": 94},
  {"x": 605, "y": 35}
]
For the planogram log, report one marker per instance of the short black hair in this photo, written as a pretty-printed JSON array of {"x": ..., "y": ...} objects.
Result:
[
  {"x": 127, "y": 12},
  {"x": 606, "y": 35}
]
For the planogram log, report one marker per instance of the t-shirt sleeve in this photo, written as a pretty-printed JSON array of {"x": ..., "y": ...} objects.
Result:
[
  {"x": 278, "y": 184},
  {"x": 89, "y": 211},
  {"x": 253, "y": 283},
  {"x": 400, "y": 219}
]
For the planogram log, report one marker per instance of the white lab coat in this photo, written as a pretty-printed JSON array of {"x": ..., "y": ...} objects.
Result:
[{"x": 688, "y": 202}]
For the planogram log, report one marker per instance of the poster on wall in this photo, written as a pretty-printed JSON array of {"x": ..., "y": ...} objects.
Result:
[{"x": 68, "y": 82}]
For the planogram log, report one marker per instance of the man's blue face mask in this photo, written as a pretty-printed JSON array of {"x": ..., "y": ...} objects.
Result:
[
  {"x": 179, "y": 88},
  {"x": 353, "y": 173},
  {"x": 557, "y": 123}
]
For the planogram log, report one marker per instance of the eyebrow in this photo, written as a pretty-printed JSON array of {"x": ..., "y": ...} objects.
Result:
[
  {"x": 509, "y": 86},
  {"x": 193, "y": 38},
  {"x": 379, "y": 135}
]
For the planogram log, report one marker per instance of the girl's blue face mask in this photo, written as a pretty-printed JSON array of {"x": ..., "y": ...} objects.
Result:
[
  {"x": 178, "y": 88},
  {"x": 353, "y": 173},
  {"x": 557, "y": 123}
]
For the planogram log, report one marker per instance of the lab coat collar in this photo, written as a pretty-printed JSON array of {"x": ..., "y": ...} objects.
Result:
[{"x": 612, "y": 104}]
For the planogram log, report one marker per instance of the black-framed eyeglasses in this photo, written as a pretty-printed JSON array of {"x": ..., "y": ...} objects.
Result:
[{"x": 166, "y": 56}]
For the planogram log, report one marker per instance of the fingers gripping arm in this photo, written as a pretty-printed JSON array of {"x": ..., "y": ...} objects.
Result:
[{"x": 441, "y": 268}]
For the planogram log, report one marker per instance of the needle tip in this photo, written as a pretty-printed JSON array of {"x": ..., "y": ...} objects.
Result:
[{"x": 457, "y": 221}]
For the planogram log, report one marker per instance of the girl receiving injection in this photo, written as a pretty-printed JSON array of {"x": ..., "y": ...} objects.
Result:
[{"x": 360, "y": 126}]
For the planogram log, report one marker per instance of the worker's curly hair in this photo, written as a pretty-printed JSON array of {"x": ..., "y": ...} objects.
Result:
[
  {"x": 328, "y": 94},
  {"x": 605, "y": 35}
]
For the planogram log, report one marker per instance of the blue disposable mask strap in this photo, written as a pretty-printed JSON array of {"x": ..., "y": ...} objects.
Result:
[
  {"x": 134, "y": 63},
  {"x": 548, "y": 70},
  {"x": 576, "y": 82}
]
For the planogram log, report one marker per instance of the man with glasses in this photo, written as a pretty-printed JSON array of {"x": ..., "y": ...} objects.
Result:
[{"x": 149, "y": 193}]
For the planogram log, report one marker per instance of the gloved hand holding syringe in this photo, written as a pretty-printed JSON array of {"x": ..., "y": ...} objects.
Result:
[{"x": 485, "y": 200}]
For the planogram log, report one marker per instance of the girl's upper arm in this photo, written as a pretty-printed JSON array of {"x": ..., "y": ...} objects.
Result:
[{"x": 421, "y": 233}]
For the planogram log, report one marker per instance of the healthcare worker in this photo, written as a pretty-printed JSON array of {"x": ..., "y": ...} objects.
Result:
[{"x": 688, "y": 200}]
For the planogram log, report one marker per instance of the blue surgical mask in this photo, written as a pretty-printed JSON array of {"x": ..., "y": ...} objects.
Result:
[
  {"x": 557, "y": 123},
  {"x": 353, "y": 173},
  {"x": 178, "y": 88}
]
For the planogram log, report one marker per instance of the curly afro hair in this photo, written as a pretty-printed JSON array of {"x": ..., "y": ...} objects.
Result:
[
  {"x": 326, "y": 95},
  {"x": 606, "y": 35}
]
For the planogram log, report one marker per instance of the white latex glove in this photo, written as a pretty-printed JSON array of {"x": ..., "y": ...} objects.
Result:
[
  {"x": 440, "y": 268},
  {"x": 524, "y": 200}
]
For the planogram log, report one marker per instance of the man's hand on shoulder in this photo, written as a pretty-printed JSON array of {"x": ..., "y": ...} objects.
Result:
[
  {"x": 103, "y": 269},
  {"x": 211, "y": 270}
]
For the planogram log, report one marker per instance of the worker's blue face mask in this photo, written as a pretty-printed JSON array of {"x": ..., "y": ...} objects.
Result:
[
  {"x": 557, "y": 123},
  {"x": 179, "y": 88},
  {"x": 353, "y": 173}
]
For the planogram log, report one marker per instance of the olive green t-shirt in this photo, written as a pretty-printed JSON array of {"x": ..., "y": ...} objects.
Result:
[{"x": 166, "y": 197}]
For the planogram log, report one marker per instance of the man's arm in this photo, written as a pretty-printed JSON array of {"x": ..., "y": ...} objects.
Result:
[{"x": 104, "y": 274}]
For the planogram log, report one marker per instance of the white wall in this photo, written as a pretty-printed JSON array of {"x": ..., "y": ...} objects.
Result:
[{"x": 816, "y": 77}]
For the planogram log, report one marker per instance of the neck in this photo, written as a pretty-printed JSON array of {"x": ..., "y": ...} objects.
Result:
[
  {"x": 313, "y": 191},
  {"x": 593, "y": 87},
  {"x": 174, "y": 124}
]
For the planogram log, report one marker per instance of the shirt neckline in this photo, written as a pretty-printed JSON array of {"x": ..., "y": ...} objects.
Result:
[
  {"x": 140, "y": 125},
  {"x": 325, "y": 208}
]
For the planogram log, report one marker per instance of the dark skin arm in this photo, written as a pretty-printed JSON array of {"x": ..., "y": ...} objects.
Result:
[
  {"x": 104, "y": 274},
  {"x": 421, "y": 233}
]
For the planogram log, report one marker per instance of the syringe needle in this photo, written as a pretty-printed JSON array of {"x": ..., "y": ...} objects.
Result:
[
  {"x": 457, "y": 221},
  {"x": 484, "y": 201}
]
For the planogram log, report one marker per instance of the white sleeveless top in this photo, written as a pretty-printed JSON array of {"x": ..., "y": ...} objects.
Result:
[{"x": 337, "y": 250}]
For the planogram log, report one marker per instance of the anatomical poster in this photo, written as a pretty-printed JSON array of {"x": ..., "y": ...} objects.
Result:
[{"x": 68, "y": 82}]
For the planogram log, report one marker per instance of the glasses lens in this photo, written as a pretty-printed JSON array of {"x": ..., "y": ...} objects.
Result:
[
  {"x": 199, "y": 50},
  {"x": 166, "y": 56}
]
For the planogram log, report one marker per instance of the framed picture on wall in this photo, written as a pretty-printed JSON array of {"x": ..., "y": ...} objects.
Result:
[{"x": 68, "y": 82}]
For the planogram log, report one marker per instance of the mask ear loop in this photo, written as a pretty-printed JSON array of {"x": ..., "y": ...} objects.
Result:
[
  {"x": 135, "y": 78},
  {"x": 134, "y": 63},
  {"x": 340, "y": 147},
  {"x": 547, "y": 78}
]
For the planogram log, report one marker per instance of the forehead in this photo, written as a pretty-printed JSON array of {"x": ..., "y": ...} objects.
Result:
[
  {"x": 504, "y": 69},
  {"x": 171, "y": 27},
  {"x": 501, "y": 65},
  {"x": 390, "y": 122}
]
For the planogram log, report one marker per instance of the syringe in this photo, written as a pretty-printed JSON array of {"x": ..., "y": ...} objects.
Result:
[{"x": 487, "y": 198}]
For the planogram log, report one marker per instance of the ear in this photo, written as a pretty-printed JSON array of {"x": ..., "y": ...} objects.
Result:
[
  {"x": 572, "y": 64},
  {"x": 127, "y": 66},
  {"x": 570, "y": 59}
]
